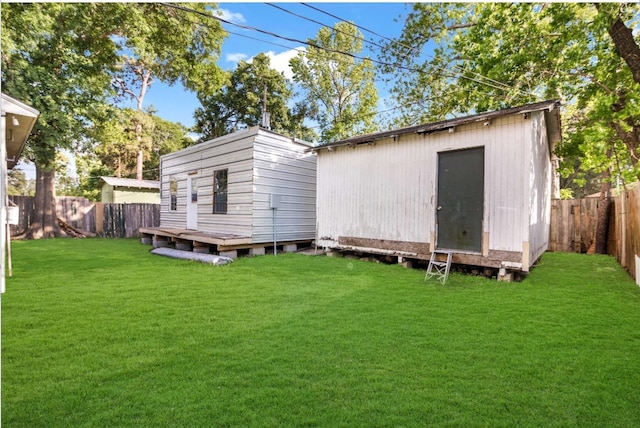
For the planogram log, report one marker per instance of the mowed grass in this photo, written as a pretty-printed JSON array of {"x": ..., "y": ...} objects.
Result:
[{"x": 102, "y": 333}]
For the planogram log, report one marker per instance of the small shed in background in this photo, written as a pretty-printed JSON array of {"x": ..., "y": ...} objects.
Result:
[
  {"x": 479, "y": 186},
  {"x": 116, "y": 190},
  {"x": 243, "y": 190}
]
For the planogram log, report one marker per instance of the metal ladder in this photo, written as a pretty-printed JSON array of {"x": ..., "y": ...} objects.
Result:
[{"x": 439, "y": 267}]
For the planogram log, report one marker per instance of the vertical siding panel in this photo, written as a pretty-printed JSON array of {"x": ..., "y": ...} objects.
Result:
[
  {"x": 387, "y": 190},
  {"x": 284, "y": 168}
]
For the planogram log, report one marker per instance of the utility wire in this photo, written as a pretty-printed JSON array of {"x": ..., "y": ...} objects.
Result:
[
  {"x": 410, "y": 48},
  {"x": 325, "y": 25},
  {"x": 308, "y": 43},
  {"x": 445, "y": 72}
]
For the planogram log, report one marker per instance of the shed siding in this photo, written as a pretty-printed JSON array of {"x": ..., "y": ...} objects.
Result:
[
  {"x": 386, "y": 191},
  {"x": 259, "y": 163},
  {"x": 283, "y": 168},
  {"x": 540, "y": 189},
  {"x": 232, "y": 152}
]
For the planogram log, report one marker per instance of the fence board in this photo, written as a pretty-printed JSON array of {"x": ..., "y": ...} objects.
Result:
[
  {"x": 573, "y": 227},
  {"x": 108, "y": 220},
  {"x": 627, "y": 229}
]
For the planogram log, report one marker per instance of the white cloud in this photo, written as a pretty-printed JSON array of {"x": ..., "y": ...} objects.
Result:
[
  {"x": 227, "y": 15},
  {"x": 236, "y": 57},
  {"x": 280, "y": 61}
]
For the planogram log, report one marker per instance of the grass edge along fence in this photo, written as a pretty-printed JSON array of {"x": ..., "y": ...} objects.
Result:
[
  {"x": 107, "y": 220},
  {"x": 574, "y": 221}
]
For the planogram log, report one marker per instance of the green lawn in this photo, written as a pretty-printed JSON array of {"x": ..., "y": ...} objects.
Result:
[{"x": 102, "y": 333}]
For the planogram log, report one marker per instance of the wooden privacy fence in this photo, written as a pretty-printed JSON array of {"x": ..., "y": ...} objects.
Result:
[
  {"x": 125, "y": 220},
  {"x": 574, "y": 221},
  {"x": 108, "y": 220},
  {"x": 573, "y": 225}
]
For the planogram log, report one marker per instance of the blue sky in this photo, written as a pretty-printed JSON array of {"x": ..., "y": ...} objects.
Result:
[{"x": 175, "y": 104}]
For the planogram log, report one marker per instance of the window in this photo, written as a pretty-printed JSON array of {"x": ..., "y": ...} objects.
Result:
[
  {"x": 220, "y": 191},
  {"x": 194, "y": 189},
  {"x": 173, "y": 191}
]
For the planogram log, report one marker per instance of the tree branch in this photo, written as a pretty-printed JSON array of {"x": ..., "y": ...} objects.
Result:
[{"x": 626, "y": 45}]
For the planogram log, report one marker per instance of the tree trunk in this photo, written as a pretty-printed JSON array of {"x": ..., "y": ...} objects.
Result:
[
  {"x": 604, "y": 211},
  {"x": 625, "y": 43},
  {"x": 139, "y": 164},
  {"x": 44, "y": 223}
]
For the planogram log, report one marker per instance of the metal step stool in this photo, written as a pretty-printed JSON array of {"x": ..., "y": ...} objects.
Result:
[{"x": 439, "y": 267}]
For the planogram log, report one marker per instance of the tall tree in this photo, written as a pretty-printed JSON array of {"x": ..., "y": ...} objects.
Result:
[
  {"x": 252, "y": 89},
  {"x": 113, "y": 144},
  {"x": 159, "y": 42},
  {"x": 63, "y": 59},
  {"x": 491, "y": 56},
  {"x": 339, "y": 88},
  {"x": 55, "y": 57}
]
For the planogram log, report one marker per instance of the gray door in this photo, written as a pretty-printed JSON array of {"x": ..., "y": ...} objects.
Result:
[{"x": 460, "y": 199}]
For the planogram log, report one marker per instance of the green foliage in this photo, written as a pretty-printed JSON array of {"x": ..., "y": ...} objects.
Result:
[
  {"x": 566, "y": 194},
  {"x": 56, "y": 58},
  {"x": 525, "y": 52},
  {"x": 240, "y": 101},
  {"x": 298, "y": 340},
  {"x": 163, "y": 43},
  {"x": 339, "y": 89},
  {"x": 66, "y": 60},
  {"x": 18, "y": 184},
  {"x": 113, "y": 145}
]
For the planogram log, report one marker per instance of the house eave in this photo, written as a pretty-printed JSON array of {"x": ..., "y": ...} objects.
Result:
[{"x": 550, "y": 107}]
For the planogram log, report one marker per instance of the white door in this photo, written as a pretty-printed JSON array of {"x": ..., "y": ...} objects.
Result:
[{"x": 192, "y": 202}]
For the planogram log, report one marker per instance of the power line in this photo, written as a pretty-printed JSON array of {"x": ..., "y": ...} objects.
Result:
[
  {"x": 410, "y": 48},
  {"x": 314, "y": 45},
  {"x": 340, "y": 19},
  {"x": 307, "y": 43},
  {"x": 325, "y": 25}
]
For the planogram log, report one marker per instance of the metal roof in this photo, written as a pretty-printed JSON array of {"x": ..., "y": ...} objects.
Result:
[
  {"x": 549, "y": 106},
  {"x": 131, "y": 182}
]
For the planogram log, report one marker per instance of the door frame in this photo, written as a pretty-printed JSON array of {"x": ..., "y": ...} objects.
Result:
[{"x": 479, "y": 248}]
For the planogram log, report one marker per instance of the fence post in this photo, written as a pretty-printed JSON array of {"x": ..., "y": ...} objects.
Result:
[{"x": 99, "y": 218}]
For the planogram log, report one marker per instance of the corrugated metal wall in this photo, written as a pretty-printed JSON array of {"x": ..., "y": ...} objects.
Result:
[
  {"x": 540, "y": 189},
  {"x": 387, "y": 190}
]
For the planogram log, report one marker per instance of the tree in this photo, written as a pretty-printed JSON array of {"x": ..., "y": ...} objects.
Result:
[
  {"x": 55, "y": 57},
  {"x": 18, "y": 184},
  {"x": 250, "y": 88},
  {"x": 118, "y": 139},
  {"x": 163, "y": 43},
  {"x": 339, "y": 89},
  {"x": 490, "y": 56},
  {"x": 62, "y": 59},
  {"x": 112, "y": 147},
  {"x": 167, "y": 137}
]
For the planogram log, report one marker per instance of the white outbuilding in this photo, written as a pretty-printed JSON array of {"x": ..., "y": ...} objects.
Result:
[
  {"x": 251, "y": 189},
  {"x": 478, "y": 186}
]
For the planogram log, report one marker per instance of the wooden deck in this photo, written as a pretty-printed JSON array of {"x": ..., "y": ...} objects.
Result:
[
  {"x": 223, "y": 241},
  {"x": 200, "y": 241}
]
